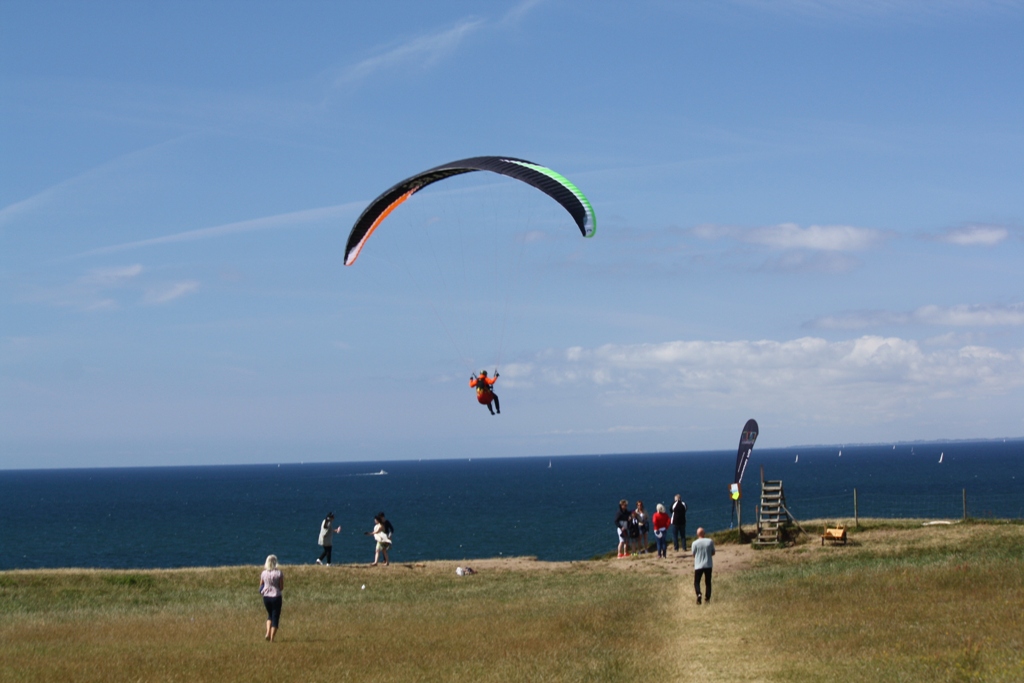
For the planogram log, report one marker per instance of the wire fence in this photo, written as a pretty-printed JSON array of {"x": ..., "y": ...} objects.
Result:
[{"x": 951, "y": 505}]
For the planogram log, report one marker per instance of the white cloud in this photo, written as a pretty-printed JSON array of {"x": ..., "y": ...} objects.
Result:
[
  {"x": 964, "y": 315},
  {"x": 162, "y": 295},
  {"x": 814, "y": 237},
  {"x": 976, "y": 235},
  {"x": 825, "y": 238},
  {"x": 793, "y": 249},
  {"x": 870, "y": 377}
]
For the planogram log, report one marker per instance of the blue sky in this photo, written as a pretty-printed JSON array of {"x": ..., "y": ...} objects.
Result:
[{"x": 809, "y": 212}]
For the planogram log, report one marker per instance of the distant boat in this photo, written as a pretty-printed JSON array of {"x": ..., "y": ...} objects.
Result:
[
  {"x": 797, "y": 458},
  {"x": 840, "y": 452},
  {"x": 549, "y": 464},
  {"x": 940, "y": 456},
  {"x": 377, "y": 474}
]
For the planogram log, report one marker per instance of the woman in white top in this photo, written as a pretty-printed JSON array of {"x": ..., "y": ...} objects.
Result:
[
  {"x": 271, "y": 585},
  {"x": 383, "y": 541}
]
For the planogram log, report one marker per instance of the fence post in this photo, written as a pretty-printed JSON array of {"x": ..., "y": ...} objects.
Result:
[
  {"x": 965, "y": 505},
  {"x": 856, "y": 518}
]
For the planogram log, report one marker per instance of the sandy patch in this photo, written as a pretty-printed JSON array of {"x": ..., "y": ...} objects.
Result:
[{"x": 728, "y": 559}]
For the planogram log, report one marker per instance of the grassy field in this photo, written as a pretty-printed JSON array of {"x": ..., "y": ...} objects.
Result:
[{"x": 901, "y": 602}]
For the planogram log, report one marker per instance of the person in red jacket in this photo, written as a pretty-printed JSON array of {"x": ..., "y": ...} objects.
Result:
[
  {"x": 660, "y": 522},
  {"x": 484, "y": 393}
]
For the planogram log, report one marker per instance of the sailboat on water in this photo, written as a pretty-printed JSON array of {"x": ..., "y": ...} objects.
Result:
[{"x": 940, "y": 456}]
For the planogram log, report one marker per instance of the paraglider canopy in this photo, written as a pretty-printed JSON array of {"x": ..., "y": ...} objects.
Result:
[{"x": 544, "y": 179}]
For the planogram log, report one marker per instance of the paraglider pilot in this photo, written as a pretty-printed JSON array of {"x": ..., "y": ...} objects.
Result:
[{"x": 484, "y": 394}]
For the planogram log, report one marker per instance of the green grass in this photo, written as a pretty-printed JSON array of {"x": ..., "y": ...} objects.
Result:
[{"x": 910, "y": 604}]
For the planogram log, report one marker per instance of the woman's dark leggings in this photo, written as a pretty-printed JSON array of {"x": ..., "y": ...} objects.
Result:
[
  {"x": 326, "y": 553},
  {"x": 273, "y": 606}
]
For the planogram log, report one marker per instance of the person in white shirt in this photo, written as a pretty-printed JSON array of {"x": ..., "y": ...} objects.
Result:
[{"x": 703, "y": 549}]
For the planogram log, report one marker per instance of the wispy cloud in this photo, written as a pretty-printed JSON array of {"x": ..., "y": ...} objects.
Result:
[
  {"x": 518, "y": 12},
  {"x": 90, "y": 292},
  {"x": 964, "y": 315},
  {"x": 167, "y": 293},
  {"x": 277, "y": 221},
  {"x": 811, "y": 262},
  {"x": 111, "y": 277},
  {"x": 975, "y": 235},
  {"x": 420, "y": 52},
  {"x": 43, "y": 198},
  {"x": 428, "y": 50},
  {"x": 883, "y": 9}
]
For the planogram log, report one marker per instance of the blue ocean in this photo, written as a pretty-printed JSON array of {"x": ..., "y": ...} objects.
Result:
[{"x": 559, "y": 508}]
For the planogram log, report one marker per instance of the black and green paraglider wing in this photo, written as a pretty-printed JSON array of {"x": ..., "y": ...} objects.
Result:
[{"x": 544, "y": 179}]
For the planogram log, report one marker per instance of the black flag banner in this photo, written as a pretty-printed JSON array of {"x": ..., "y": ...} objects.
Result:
[{"x": 747, "y": 439}]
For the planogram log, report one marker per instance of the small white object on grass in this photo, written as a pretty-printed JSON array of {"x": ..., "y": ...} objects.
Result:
[{"x": 363, "y": 588}]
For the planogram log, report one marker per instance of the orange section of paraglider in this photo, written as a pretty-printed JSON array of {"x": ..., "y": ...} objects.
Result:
[{"x": 384, "y": 214}]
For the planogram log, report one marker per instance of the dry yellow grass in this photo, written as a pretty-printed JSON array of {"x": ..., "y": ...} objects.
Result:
[
  {"x": 572, "y": 623},
  {"x": 896, "y": 604}
]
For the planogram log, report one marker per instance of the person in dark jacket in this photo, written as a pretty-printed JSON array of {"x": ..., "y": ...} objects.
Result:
[
  {"x": 622, "y": 527},
  {"x": 679, "y": 522}
]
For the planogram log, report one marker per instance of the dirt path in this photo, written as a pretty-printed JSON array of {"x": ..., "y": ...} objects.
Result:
[{"x": 704, "y": 643}]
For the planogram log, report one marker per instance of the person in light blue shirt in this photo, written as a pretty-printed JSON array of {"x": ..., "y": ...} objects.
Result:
[{"x": 703, "y": 549}]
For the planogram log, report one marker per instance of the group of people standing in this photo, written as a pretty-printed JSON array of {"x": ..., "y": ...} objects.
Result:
[
  {"x": 382, "y": 533},
  {"x": 272, "y": 580},
  {"x": 633, "y": 526}
]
